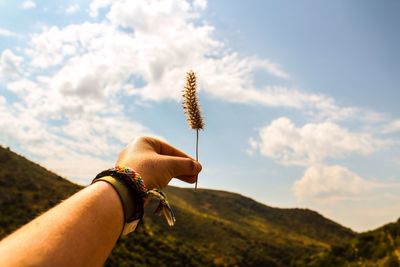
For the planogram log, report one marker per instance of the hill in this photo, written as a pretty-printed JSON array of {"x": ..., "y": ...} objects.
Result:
[
  {"x": 380, "y": 247},
  {"x": 214, "y": 228}
]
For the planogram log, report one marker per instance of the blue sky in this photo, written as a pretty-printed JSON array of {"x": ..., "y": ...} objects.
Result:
[{"x": 300, "y": 98}]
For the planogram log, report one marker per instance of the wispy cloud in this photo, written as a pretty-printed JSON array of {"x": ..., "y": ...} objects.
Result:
[
  {"x": 28, "y": 4},
  {"x": 7, "y": 33},
  {"x": 202, "y": 4},
  {"x": 392, "y": 127},
  {"x": 10, "y": 65},
  {"x": 72, "y": 9}
]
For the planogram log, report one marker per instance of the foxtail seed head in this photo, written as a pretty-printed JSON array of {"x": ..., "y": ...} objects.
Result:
[{"x": 191, "y": 104}]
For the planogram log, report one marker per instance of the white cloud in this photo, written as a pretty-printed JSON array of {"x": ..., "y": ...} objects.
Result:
[
  {"x": 200, "y": 3},
  {"x": 273, "y": 69},
  {"x": 253, "y": 146},
  {"x": 81, "y": 167},
  {"x": 331, "y": 184},
  {"x": 54, "y": 45},
  {"x": 323, "y": 182},
  {"x": 313, "y": 143},
  {"x": 76, "y": 74},
  {"x": 96, "y": 5},
  {"x": 29, "y": 4},
  {"x": 164, "y": 43},
  {"x": 80, "y": 148},
  {"x": 392, "y": 127},
  {"x": 7, "y": 33},
  {"x": 310, "y": 146},
  {"x": 10, "y": 64},
  {"x": 396, "y": 161},
  {"x": 72, "y": 9}
]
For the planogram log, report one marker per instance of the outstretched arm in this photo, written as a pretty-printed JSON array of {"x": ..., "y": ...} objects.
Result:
[{"x": 82, "y": 230}]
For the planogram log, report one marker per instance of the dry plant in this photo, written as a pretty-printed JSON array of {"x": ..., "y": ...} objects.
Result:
[{"x": 191, "y": 108}]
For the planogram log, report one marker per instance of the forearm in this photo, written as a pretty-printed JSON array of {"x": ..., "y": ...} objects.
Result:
[{"x": 81, "y": 231}]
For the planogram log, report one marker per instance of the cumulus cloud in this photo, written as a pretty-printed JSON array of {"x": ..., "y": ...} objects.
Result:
[
  {"x": 392, "y": 127},
  {"x": 330, "y": 183},
  {"x": 80, "y": 167},
  {"x": 78, "y": 148},
  {"x": 7, "y": 33},
  {"x": 10, "y": 64},
  {"x": 73, "y": 76},
  {"x": 72, "y": 9},
  {"x": 29, "y": 4},
  {"x": 253, "y": 146},
  {"x": 200, "y": 3},
  {"x": 156, "y": 43},
  {"x": 312, "y": 143}
]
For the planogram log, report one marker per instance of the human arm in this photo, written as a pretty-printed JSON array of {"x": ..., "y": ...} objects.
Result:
[{"x": 82, "y": 230}]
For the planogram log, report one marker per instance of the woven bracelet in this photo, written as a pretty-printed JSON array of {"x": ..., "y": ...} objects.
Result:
[{"x": 139, "y": 194}]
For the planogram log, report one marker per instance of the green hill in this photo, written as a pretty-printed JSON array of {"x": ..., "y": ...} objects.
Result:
[
  {"x": 214, "y": 228},
  {"x": 380, "y": 247}
]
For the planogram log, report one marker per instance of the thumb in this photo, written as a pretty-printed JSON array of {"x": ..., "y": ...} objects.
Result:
[{"x": 182, "y": 166}]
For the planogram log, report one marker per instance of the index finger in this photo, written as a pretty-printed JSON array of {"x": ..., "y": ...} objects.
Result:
[{"x": 164, "y": 148}]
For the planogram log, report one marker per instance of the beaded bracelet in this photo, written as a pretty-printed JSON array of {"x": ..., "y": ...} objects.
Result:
[
  {"x": 132, "y": 211},
  {"x": 140, "y": 194}
]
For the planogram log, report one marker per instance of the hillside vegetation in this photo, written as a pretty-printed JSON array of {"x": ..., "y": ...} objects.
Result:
[
  {"x": 214, "y": 228},
  {"x": 380, "y": 247}
]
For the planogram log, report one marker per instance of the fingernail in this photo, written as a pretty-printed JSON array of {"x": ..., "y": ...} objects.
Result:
[{"x": 198, "y": 166}]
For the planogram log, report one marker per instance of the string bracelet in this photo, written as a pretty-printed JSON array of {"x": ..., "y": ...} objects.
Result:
[{"x": 133, "y": 194}]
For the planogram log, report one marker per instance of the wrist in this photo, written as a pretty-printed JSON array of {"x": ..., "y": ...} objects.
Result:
[
  {"x": 131, "y": 202},
  {"x": 133, "y": 193},
  {"x": 109, "y": 198}
]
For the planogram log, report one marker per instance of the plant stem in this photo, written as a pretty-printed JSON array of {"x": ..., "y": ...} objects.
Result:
[{"x": 197, "y": 153}]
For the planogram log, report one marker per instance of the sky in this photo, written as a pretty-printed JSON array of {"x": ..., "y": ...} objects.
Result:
[{"x": 300, "y": 98}]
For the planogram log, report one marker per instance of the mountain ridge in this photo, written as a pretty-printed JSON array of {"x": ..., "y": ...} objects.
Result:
[{"x": 214, "y": 227}]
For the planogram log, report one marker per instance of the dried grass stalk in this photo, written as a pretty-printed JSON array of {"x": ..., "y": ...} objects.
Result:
[
  {"x": 191, "y": 102},
  {"x": 191, "y": 107}
]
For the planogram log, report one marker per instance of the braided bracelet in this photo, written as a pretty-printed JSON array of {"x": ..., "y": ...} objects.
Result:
[{"x": 133, "y": 202}]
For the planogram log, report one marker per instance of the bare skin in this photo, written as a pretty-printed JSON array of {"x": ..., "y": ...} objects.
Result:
[{"x": 83, "y": 229}]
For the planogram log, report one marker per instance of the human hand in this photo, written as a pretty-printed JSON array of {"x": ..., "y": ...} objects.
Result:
[{"x": 158, "y": 162}]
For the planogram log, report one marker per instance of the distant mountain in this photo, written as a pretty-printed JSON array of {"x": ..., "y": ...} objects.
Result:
[
  {"x": 380, "y": 247},
  {"x": 214, "y": 228}
]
